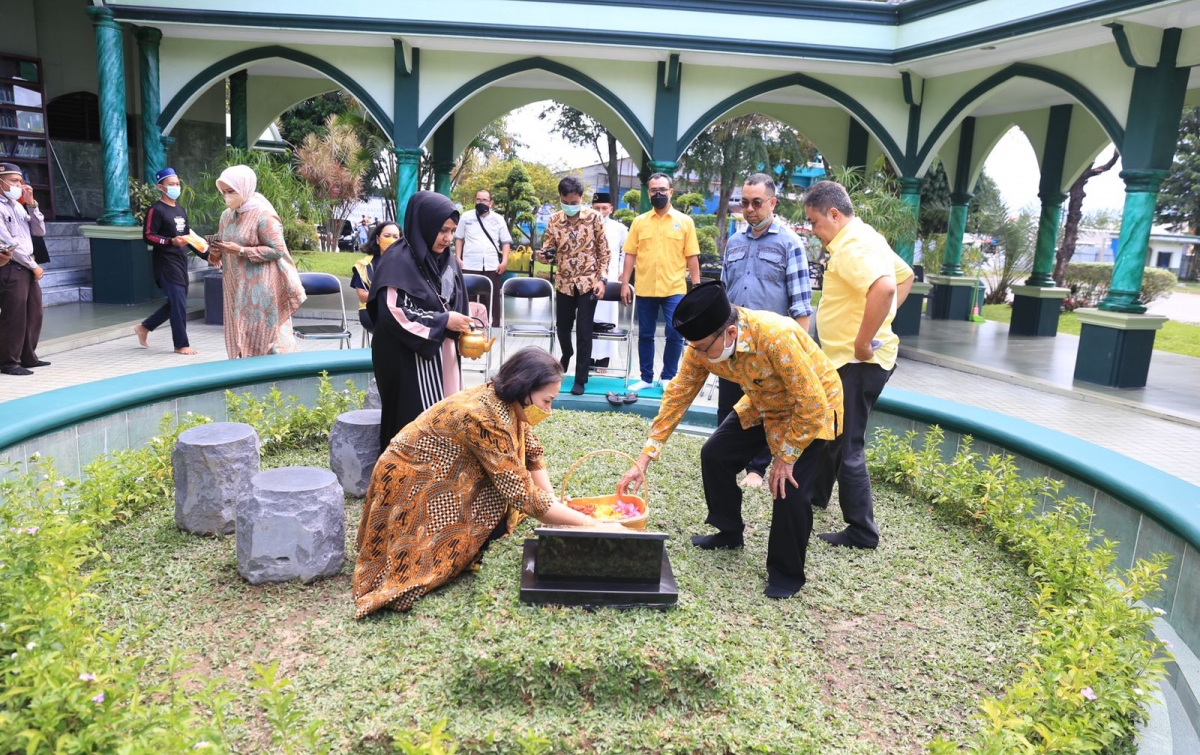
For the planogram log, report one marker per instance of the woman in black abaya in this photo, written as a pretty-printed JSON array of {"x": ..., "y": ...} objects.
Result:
[{"x": 419, "y": 304}]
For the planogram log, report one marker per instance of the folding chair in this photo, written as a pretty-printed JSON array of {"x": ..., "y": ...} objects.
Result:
[
  {"x": 622, "y": 333},
  {"x": 324, "y": 284},
  {"x": 529, "y": 290},
  {"x": 479, "y": 289}
]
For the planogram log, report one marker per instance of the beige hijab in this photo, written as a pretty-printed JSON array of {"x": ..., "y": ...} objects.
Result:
[{"x": 242, "y": 179}]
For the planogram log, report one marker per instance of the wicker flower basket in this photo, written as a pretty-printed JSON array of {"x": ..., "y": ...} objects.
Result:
[{"x": 581, "y": 504}]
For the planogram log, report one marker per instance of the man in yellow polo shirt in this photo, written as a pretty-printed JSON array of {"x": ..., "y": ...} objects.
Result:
[
  {"x": 663, "y": 250},
  {"x": 854, "y": 322}
]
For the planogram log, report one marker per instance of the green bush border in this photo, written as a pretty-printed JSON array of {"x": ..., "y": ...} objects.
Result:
[{"x": 1094, "y": 661}]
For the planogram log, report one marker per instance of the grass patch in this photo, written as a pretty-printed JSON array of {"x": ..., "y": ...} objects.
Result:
[
  {"x": 1175, "y": 337},
  {"x": 335, "y": 263},
  {"x": 881, "y": 652}
]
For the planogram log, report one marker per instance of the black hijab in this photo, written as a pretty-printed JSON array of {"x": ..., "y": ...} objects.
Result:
[{"x": 429, "y": 279}]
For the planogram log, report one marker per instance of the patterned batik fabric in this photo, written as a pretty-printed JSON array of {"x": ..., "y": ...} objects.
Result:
[
  {"x": 791, "y": 388},
  {"x": 438, "y": 491},
  {"x": 262, "y": 288},
  {"x": 583, "y": 251}
]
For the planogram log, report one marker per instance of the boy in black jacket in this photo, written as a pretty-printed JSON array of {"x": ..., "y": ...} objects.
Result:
[{"x": 165, "y": 229}]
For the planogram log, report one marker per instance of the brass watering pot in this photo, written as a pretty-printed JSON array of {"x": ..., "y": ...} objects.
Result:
[{"x": 476, "y": 342}]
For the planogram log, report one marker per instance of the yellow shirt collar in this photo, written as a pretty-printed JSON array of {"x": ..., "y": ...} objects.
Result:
[{"x": 850, "y": 230}]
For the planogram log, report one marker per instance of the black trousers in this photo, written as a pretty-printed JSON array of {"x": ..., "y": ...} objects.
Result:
[
  {"x": 724, "y": 454},
  {"x": 728, "y": 394},
  {"x": 175, "y": 309},
  {"x": 845, "y": 460},
  {"x": 570, "y": 306},
  {"x": 20, "y": 316}
]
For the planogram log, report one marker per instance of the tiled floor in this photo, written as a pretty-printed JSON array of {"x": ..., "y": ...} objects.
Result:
[
  {"x": 987, "y": 347},
  {"x": 1167, "y": 445}
]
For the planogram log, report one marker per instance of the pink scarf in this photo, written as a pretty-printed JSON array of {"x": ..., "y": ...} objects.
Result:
[{"x": 241, "y": 178}]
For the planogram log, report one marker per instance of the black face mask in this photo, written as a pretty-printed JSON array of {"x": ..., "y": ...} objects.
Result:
[
  {"x": 659, "y": 201},
  {"x": 481, "y": 208}
]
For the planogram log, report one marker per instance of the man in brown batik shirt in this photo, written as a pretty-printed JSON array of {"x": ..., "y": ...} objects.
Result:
[{"x": 577, "y": 234}]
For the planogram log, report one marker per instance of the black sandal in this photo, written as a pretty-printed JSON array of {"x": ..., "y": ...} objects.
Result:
[
  {"x": 614, "y": 398},
  {"x": 631, "y": 398}
]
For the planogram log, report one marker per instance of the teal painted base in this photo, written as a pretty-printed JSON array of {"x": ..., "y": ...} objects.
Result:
[
  {"x": 1034, "y": 317},
  {"x": 121, "y": 272},
  {"x": 908, "y": 317},
  {"x": 1114, "y": 358},
  {"x": 951, "y": 302}
]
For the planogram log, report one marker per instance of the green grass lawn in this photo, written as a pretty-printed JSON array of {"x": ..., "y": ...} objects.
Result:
[
  {"x": 1191, "y": 287},
  {"x": 880, "y": 652},
  {"x": 1175, "y": 337},
  {"x": 337, "y": 263}
]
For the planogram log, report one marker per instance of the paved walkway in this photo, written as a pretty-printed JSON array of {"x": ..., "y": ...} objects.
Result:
[{"x": 1158, "y": 442}]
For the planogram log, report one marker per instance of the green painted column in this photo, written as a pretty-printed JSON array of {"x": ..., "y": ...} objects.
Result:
[
  {"x": 114, "y": 139},
  {"x": 952, "y": 259},
  {"x": 1141, "y": 195},
  {"x": 238, "y": 126},
  {"x": 1047, "y": 239},
  {"x": 408, "y": 165},
  {"x": 910, "y": 194},
  {"x": 154, "y": 156},
  {"x": 644, "y": 179},
  {"x": 443, "y": 157}
]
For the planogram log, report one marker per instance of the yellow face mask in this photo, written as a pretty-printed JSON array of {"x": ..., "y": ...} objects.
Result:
[
  {"x": 384, "y": 243},
  {"x": 535, "y": 414}
]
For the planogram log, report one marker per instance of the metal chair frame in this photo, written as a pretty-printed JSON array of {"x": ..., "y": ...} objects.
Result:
[
  {"x": 324, "y": 284},
  {"x": 480, "y": 286},
  {"x": 544, "y": 290},
  {"x": 612, "y": 292}
]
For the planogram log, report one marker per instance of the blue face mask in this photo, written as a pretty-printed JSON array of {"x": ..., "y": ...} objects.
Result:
[
  {"x": 174, "y": 191},
  {"x": 571, "y": 209}
]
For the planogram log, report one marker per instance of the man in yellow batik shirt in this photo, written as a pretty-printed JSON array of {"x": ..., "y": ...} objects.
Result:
[
  {"x": 792, "y": 406},
  {"x": 859, "y": 297}
]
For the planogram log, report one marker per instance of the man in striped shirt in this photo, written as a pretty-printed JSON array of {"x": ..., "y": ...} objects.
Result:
[{"x": 765, "y": 268}]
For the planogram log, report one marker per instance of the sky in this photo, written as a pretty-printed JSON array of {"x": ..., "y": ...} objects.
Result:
[{"x": 1012, "y": 163}]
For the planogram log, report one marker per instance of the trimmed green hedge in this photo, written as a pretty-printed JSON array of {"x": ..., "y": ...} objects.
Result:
[
  {"x": 1094, "y": 659},
  {"x": 1089, "y": 283}
]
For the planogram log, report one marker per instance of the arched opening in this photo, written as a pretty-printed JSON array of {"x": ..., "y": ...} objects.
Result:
[{"x": 824, "y": 111}]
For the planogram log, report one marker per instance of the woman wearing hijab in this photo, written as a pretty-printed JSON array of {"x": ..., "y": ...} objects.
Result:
[
  {"x": 418, "y": 302},
  {"x": 382, "y": 236},
  {"x": 262, "y": 287}
]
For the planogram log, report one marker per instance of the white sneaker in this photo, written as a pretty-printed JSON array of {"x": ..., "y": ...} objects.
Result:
[{"x": 640, "y": 385}]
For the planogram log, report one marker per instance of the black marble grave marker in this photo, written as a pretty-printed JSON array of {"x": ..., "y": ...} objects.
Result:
[{"x": 587, "y": 567}]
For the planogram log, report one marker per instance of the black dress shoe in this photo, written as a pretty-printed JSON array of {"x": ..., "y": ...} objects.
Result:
[
  {"x": 719, "y": 541},
  {"x": 775, "y": 592},
  {"x": 843, "y": 540},
  {"x": 16, "y": 369},
  {"x": 38, "y": 363},
  {"x": 578, "y": 389}
]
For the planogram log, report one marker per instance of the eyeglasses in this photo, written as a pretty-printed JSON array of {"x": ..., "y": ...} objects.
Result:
[
  {"x": 656, "y": 192},
  {"x": 758, "y": 202}
]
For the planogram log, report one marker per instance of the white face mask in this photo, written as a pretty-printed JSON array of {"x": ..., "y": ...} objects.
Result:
[
  {"x": 726, "y": 351},
  {"x": 13, "y": 192}
]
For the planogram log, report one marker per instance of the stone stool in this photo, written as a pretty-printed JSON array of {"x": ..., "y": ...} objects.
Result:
[
  {"x": 213, "y": 465},
  {"x": 354, "y": 449},
  {"x": 293, "y": 526},
  {"x": 371, "y": 400}
]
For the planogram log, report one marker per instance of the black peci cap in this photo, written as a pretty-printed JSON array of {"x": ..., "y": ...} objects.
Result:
[{"x": 703, "y": 312}]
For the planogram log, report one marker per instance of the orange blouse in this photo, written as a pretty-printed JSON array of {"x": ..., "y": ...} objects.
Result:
[{"x": 439, "y": 490}]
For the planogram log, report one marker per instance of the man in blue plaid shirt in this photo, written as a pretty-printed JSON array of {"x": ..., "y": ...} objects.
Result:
[{"x": 765, "y": 268}]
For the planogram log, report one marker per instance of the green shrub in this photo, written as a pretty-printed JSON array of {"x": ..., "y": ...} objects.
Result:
[
  {"x": 1085, "y": 687},
  {"x": 70, "y": 685},
  {"x": 283, "y": 422},
  {"x": 1089, "y": 283},
  {"x": 626, "y": 216},
  {"x": 705, "y": 220},
  {"x": 706, "y": 237}
]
